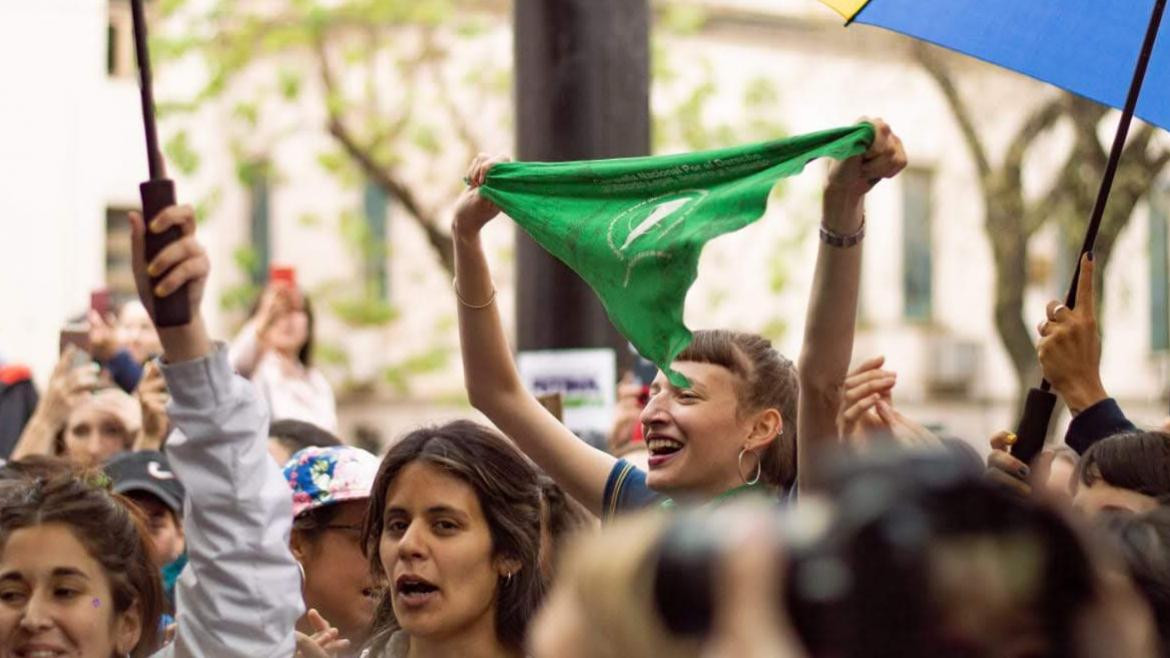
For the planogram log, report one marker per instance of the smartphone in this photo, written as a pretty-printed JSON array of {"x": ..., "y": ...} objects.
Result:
[
  {"x": 285, "y": 274},
  {"x": 99, "y": 301},
  {"x": 76, "y": 334}
]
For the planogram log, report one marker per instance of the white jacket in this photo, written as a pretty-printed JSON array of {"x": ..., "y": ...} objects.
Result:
[
  {"x": 240, "y": 594},
  {"x": 290, "y": 390}
]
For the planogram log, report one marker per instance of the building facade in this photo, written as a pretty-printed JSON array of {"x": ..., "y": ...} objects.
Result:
[{"x": 70, "y": 129}]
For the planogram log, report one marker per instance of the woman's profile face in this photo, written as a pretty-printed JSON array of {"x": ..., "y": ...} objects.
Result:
[
  {"x": 337, "y": 575},
  {"x": 55, "y": 599},
  {"x": 436, "y": 551},
  {"x": 694, "y": 434}
]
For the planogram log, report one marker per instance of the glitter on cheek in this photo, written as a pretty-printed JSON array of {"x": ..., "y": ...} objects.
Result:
[{"x": 97, "y": 603}]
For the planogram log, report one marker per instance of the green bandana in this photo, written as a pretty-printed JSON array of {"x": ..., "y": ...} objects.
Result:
[{"x": 633, "y": 228}]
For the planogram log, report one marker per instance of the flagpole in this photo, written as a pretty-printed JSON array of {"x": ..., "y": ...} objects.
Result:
[
  {"x": 158, "y": 193},
  {"x": 1038, "y": 406}
]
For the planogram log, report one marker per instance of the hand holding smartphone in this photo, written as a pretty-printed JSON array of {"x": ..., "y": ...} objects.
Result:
[
  {"x": 283, "y": 274},
  {"x": 99, "y": 302}
]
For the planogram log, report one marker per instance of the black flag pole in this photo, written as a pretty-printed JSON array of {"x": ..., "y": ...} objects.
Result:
[
  {"x": 1038, "y": 406},
  {"x": 158, "y": 193}
]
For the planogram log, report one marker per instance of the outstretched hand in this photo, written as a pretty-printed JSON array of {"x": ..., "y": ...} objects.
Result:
[
  {"x": 103, "y": 339},
  {"x": 68, "y": 385},
  {"x": 1006, "y": 471},
  {"x": 277, "y": 300},
  {"x": 473, "y": 212},
  {"x": 885, "y": 158},
  {"x": 183, "y": 262},
  {"x": 152, "y": 398},
  {"x": 325, "y": 642},
  {"x": 865, "y": 387},
  {"x": 867, "y": 409},
  {"x": 1070, "y": 345}
]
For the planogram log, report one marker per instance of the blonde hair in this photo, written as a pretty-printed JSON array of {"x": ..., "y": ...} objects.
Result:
[{"x": 610, "y": 574}]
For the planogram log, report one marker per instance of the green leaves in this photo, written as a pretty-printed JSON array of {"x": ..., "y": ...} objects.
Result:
[
  {"x": 290, "y": 84},
  {"x": 398, "y": 375},
  {"x": 180, "y": 154},
  {"x": 364, "y": 311},
  {"x": 683, "y": 19}
]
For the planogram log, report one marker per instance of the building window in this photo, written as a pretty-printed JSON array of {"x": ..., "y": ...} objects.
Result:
[
  {"x": 375, "y": 207},
  {"x": 120, "y": 40},
  {"x": 1159, "y": 259},
  {"x": 917, "y": 263},
  {"x": 119, "y": 275},
  {"x": 258, "y": 178},
  {"x": 120, "y": 58}
]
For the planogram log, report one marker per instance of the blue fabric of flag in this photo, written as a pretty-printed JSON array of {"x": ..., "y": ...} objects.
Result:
[{"x": 1088, "y": 47}]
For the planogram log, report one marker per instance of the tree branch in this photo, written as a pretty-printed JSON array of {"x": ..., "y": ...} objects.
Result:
[
  {"x": 1037, "y": 123},
  {"x": 932, "y": 63},
  {"x": 458, "y": 121},
  {"x": 439, "y": 240}
]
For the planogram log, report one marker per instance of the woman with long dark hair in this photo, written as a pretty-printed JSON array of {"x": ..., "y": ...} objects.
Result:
[
  {"x": 275, "y": 351},
  {"x": 453, "y": 532}
]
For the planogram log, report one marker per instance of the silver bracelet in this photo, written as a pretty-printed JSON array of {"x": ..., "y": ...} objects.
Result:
[
  {"x": 835, "y": 239},
  {"x": 491, "y": 299}
]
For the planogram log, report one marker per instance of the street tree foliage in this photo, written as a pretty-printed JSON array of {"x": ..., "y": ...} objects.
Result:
[
  {"x": 1012, "y": 217},
  {"x": 400, "y": 104}
]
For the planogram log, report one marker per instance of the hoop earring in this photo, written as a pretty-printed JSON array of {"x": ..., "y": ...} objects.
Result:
[
  {"x": 739, "y": 467},
  {"x": 301, "y": 568}
]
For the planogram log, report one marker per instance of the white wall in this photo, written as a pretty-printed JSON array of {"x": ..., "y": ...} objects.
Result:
[{"x": 55, "y": 169}]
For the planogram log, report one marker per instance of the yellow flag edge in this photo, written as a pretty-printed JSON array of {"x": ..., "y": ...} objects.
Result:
[{"x": 847, "y": 8}]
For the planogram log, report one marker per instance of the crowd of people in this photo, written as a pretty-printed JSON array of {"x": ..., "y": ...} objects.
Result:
[{"x": 171, "y": 495}]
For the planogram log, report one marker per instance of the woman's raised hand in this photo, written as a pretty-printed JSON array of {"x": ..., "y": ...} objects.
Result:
[
  {"x": 865, "y": 387},
  {"x": 885, "y": 158},
  {"x": 473, "y": 211},
  {"x": 1004, "y": 470},
  {"x": 68, "y": 384},
  {"x": 103, "y": 340},
  {"x": 276, "y": 300},
  {"x": 152, "y": 398},
  {"x": 183, "y": 262},
  {"x": 325, "y": 642}
]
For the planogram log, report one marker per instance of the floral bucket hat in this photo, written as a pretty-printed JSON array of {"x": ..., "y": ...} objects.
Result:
[{"x": 320, "y": 477}]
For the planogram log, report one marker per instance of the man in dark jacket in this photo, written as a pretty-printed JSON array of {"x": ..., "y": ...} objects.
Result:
[{"x": 18, "y": 399}]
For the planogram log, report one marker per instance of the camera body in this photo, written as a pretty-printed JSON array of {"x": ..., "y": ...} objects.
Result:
[{"x": 857, "y": 571}]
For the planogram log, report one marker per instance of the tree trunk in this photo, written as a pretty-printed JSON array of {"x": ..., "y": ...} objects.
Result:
[
  {"x": 1009, "y": 249},
  {"x": 582, "y": 92}
]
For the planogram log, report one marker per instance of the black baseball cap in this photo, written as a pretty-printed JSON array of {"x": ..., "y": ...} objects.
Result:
[{"x": 149, "y": 472}]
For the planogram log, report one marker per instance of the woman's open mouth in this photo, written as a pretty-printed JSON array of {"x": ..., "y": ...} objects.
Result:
[
  {"x": 662, "y": 450},
  {"x": 414, "y": 591}
]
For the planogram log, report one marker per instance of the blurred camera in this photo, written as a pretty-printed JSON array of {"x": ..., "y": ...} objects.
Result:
[{"x": 861, "y": 571}]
